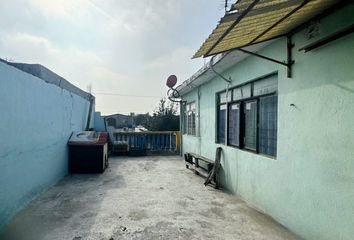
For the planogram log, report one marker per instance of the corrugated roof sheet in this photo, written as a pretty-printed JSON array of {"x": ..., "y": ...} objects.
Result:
[{"x": 264, "y": 14}]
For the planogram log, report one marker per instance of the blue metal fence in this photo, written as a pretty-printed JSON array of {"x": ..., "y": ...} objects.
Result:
[{"x": 150, "y": 140}]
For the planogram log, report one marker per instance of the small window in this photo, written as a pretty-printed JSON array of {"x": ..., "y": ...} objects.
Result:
[
  {"x": 222, "y": 97},
  {"x": 241, "y": 92},
  {"x": 265, "y": 86},
  {"x": 251, "y": 125},
  {"x": 111, "y": 122},
  {"x": 268, "y": 125},
  {"x": 189, "y": 119},
  {"x": 192, "y": 127},
  {"x": 234, "y": 125},
  {"x": 221, "y": 123}
]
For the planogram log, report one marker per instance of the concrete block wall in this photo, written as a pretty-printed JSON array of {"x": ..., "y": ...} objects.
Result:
[
  {"x": 99, "y": 124},
  {"x": 37, "y": 119}
]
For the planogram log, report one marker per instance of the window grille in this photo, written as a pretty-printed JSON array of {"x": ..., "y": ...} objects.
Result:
[{"x": 251, "y": 112}]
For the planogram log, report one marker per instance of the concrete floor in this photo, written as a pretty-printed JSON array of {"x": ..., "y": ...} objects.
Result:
[{"x": 141, "y": 198}]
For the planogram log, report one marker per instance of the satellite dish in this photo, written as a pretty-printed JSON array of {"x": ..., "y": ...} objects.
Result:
[{"x": 171, "y": 81}]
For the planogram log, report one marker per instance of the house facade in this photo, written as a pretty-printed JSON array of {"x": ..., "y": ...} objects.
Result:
[
  {"x": 288, "y": 142},
  {"x": 120, "y": 121}
]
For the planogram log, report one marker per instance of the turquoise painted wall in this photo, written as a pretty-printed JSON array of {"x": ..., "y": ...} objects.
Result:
[
  {"x": 309, "y": 187},
  {"x": 36, "y": 121},
  {"x": 192, "y": 143},
  {"x": 99, "y": 122}
]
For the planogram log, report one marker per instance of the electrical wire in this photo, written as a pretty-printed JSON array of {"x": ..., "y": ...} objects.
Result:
[{"x": 125, "y": 95}]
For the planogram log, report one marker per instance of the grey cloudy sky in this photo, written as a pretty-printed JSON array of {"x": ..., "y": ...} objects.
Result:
[{"x": 127, "y": 47}]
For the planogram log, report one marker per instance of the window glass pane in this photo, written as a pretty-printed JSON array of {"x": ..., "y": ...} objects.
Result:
[
  {"x": 251, "y": 125},
  {"x": 189, "y": 119},
  {"x": 222, "y": 97},
  {"x": 236, "y": 94},
  {"x": 192, "y": 106},
  {"x": 241, "y": 92},
  {"x": 268, "y": 125},
  {"x": 221, "y": 124},
  {"x": 267, "y": 85},
  {"x": 193, "y": 123},
  {"x": 189, "y": 123},
  {"x": 185, "y": 123},
  {"x": 234, "y": 124}
]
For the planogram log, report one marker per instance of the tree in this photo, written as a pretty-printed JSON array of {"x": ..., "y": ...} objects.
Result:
[
  {"x": 143, "y": 120},
  {"x": 164, "y": 118}
]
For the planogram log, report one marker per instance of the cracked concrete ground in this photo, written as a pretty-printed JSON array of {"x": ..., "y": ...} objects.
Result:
[{"x": 141, "y": 198}]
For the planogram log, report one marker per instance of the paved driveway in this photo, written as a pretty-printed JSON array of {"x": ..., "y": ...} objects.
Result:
[{"x": 141, "y": 198}]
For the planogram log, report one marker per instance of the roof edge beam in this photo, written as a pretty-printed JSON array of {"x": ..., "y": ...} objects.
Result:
[
  {"x": 289, "y": 62},
  {"x": 339, "y": 34},
  {"x": 262, "y": 56},
  {"x": 242, "y": 15}
]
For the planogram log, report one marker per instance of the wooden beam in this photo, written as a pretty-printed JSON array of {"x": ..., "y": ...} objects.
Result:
[{"x": 334, "y": 36}]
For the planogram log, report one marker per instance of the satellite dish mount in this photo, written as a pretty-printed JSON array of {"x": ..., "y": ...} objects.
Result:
[{"x": 172, "y": 93}]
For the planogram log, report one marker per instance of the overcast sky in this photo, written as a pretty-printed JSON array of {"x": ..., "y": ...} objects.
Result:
[{"x": 126, "y": 47}]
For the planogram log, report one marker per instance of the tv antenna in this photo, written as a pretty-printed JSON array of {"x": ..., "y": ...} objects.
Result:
[
  {"x": 225, "y": 5},
  {"x": 172, "y": 93}
]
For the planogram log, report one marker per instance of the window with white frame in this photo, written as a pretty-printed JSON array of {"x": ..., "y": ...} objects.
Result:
[
  {"x": 190, "y": 119},
  {"x": 251, "y": 112},
  {"x": 223, "y": 98}
]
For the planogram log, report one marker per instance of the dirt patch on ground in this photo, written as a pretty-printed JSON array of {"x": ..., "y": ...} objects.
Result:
[
  {"x": 160, "y": 230},
  {"x": 137, "y": 215}
]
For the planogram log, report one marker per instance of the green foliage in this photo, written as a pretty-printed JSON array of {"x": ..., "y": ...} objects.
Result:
[
  {"x": 143, "y": 120},
  {"x": 164, "y": 118}
]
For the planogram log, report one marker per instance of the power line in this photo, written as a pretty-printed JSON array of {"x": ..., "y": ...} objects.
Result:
[{"x": 126, "y": 95}]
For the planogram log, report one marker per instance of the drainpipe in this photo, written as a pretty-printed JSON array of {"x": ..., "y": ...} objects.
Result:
[
  {"x": 227, "y": 92},
  {"x": 212, "y": 68},
  {"x": 181, "y": 126},
  {"x": 91, "y": 99},
  {"x": 198, "y": 135}
]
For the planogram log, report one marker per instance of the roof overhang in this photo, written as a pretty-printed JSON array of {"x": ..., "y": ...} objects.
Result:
[
  {"x": 221, "y": 62},
  {"x": 254, "y": 21}
]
